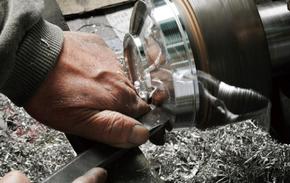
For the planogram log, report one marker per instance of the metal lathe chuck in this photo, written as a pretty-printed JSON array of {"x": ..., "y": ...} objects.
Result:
[{"x": 236, "y": 41}]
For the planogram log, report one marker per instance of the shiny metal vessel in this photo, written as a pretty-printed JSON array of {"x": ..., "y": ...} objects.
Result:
[{"x": 238, "y": 42}]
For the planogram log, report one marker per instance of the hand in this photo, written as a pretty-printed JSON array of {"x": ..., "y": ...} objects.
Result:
[
  {"x": 87, "y": 94},
  {"x": 95, "y": 175}
]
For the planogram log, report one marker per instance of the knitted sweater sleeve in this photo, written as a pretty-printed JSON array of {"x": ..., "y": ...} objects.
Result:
[{"x": 29, "y": 48}]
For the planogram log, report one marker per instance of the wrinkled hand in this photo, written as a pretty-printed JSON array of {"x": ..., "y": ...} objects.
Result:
[
  {"x": 87, "y": 94},
  {"x": 95, "y": 175}
]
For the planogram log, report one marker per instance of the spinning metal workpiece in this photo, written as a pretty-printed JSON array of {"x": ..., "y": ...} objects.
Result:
[{"x": 173, "y": 44}]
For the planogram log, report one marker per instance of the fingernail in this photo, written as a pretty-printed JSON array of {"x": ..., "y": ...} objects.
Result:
[
  {"x": 139, "y": 135},
  {"x": 97, "y": 170}
]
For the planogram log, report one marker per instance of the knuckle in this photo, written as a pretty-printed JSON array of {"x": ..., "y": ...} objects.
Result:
[
  {"x": 120, "y": 93},
  {"x": 132, "y": 93},
  {"x": 112, "y": 122},
  {"x": 102, "y": 73},
  {"x": 122, "y": 96},
  {"x": 104, "y": 76}
]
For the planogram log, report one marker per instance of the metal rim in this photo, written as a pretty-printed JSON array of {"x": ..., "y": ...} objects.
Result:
[{"x": 234, "y": 51}]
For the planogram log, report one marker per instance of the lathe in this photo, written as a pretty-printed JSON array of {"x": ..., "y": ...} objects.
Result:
[{"x": 204, "y": 63}]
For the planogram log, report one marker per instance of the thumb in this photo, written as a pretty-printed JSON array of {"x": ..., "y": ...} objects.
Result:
[
  {"x": 14, "y": 177},
  {"x": 115, "y": 129},
  {"x": 95, "y": 175}
]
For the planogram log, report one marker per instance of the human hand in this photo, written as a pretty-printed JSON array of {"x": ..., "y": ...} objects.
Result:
[
  {"x": 87, "y": 94},
  {"x": 95, "y": 175}
]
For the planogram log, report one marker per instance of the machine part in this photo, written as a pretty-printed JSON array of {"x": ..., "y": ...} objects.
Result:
[
  {"x": 159, "y": 58},
  {"x": 170, "y": 40},
  {"x": 228, "y": 41},
  {"x": 276, "y": 20},
  {"x": 225, "y": 104}
]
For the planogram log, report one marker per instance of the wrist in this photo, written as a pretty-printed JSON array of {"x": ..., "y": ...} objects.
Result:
[{"x": 36, "y": 56}]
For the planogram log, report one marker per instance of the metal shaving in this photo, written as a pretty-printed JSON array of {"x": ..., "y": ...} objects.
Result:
[
  {"x": 29, "y": 146},
  {"x": 235, "y": 153}
]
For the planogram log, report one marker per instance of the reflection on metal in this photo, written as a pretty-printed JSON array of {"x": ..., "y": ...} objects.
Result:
[
  {"x": 276, "y": 20},
  {"x": 229, "y": 42},
  {"x": 221, "y": 104},
  {"x": 170, "y": 40},
  {"x": 159, "y": 57}
]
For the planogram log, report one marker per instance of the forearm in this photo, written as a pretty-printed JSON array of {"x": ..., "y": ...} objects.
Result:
[{"x": 29, "y": 48}]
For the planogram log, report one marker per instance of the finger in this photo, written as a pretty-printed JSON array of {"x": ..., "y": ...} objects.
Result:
[
  {"x": 14, "y": 177},
  {"x": 119, "y": 96},
  {"x": 122, "y": 79},
  {"x": 140, "y": 108},
  {"x": 95, "y": 175},
  {"x": 113, "y": 128},
  {"x": 126, "y": 79},
  {"x": 128, "y": 102},
  {"x": 127, "y": 95},
  {"x": 159, "y": 96}
]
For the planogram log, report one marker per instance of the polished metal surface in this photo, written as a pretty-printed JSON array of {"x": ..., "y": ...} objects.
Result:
[
  {"x": 159, "y": 58},
  {"x": 276, "y": 20},
  {"x": 171, "y": 39},
  {"x": 228, "y": 41},
  {"x": 222, "y": 104}
]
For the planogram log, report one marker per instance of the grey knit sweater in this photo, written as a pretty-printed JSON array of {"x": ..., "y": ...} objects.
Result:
[{"x": 29, "y": 48}]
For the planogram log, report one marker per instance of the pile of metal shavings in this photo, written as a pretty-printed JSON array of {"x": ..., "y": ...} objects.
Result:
[
  {"x": 235, "y": 153},
  {"x": 239, "y": 153},
  {"x": 29, "y": 146}
]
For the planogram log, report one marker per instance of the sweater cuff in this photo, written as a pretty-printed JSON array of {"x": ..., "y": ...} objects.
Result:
[{"x": 35, "y": 57}]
